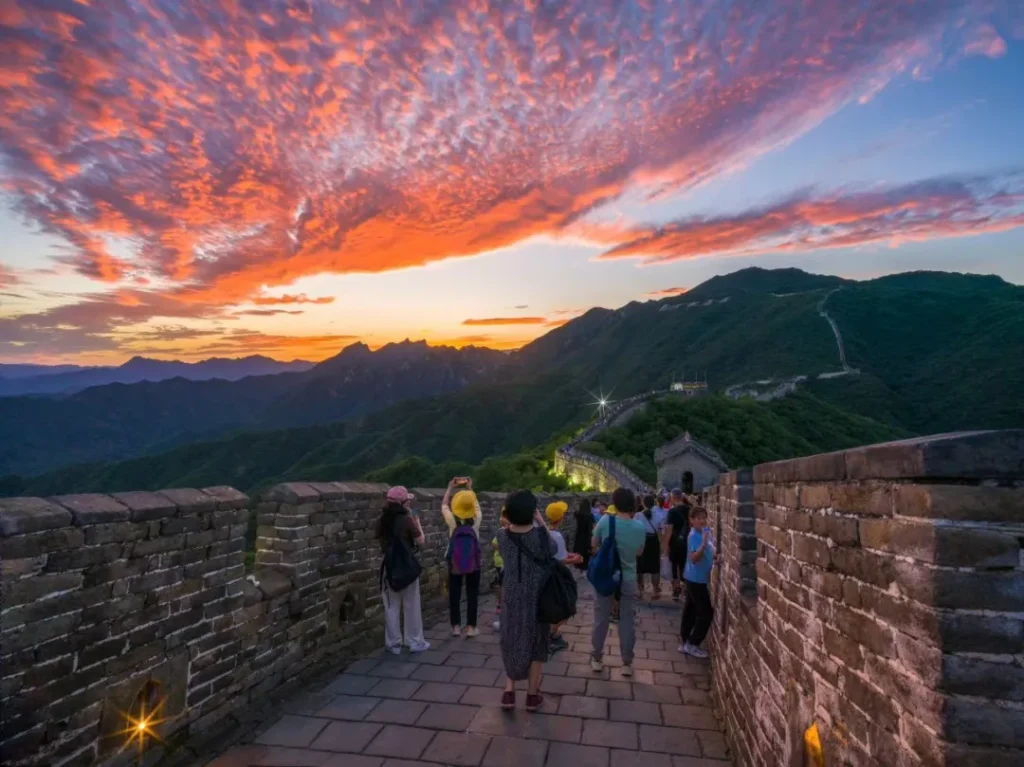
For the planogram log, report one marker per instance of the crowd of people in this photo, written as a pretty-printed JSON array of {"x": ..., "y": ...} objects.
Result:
[{"x": 637, "y": 542}]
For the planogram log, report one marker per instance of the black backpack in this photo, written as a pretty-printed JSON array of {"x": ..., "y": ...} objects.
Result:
[
  {"x": 556, "y": 600},
  {"x": 399, "y": 568}
]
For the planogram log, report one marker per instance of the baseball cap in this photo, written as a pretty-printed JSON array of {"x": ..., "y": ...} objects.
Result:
[{"x": 399, "y": 494}]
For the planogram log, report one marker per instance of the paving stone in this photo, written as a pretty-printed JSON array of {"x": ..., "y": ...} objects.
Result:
[
  {"x": 345, "y": 736},
  {"x": 362, "y": 666},
  {"x": 350, "y": 684},
  {"x": 435, "y": 673},
  {"x": 612, "y": 734},
  {"x": 515, "y": 752},
  {"x": 482, "y": 696},
  {"x": 296, "y": 731},
  {"x": 563, "y": 685},
  {"x": 393, "y": 670},
  {"x": 654, "y": 694},
  {"x": 495, "y": 662},
  {"x": 695, "y": 697},
  {"x": 463, "y": 660},
  {"x": 354, "y": 707},
  {"x": 349, "y": 760},
  {"x": 692, "y": 717},
  {"x": 638, "y": 676},
  {"x": 457, "y": 748},
  {"x": 621, "y": 690},
  {"x": 621, "y": 758},
  {"x": 669, "y": 740},
  {"x": 481, "y": 677},
  {"x": 671, "y": 678},
  {"x": 439, "y": 692},
  {"x": 713, "y": 744},
  {"x": 583, "y": 671},
  {"x": 563, "y": 754},
  {"x": 431, "y": 657},
  {"x": 447, "y": 716},
  {"x": 582, "y": 706},
  {"x": 395, "y": 688},
  {"x": 400, "y": 741},
  {"x": 275, "y": 756},
  {"x": 495, "y": 721},
  {"x": 397, "y": 712},
  {"x": 553, "y": 727},
  {"x": 634, "y": 711},
  {"x": 697, "y": 761},
  {"x": 556, "y": 667}
]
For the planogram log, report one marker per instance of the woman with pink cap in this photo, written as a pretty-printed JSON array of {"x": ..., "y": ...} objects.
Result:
[{"x": 400, "y": 534}]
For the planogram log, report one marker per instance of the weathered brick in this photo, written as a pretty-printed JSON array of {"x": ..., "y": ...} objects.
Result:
[
  {"x": 189, "y": 500},
  {"x": 227, "y": 497},
  {"x": 813, "y": 550},
  {"x": 972, "y": 721},
  {"x": 38, "y": 632},
  {"x": 43, "y": 542},
  {"x": 960, "y": 502},
  {"x": 20, "y": 516},
  {"x": 115, "y": 532},
  {"x": 963, "y": 675},
  {"x": 36, "y": 587},
  {"x": 863, "y": 565},
  {"x": 93, "y": 508},
  {"x": 52, "y": 606},
  {"x": 873, "y": 634},
  {"x": 146, "y": 506},
  {"x": 942, "y": 545}
]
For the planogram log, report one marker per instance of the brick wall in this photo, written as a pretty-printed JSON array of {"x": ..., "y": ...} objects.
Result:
[
  {"x": 879, "y": 594},
  {"x": 102, "y": 594}
]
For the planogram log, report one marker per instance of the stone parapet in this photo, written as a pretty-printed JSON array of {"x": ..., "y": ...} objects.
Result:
[
  {"x": 877, "y": 594},
  {"x": 109, "y": 597}
]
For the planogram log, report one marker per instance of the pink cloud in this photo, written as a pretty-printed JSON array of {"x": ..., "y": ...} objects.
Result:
[
  {"x": 816, "y": 220},
  {"x": 983, "y": 40}
]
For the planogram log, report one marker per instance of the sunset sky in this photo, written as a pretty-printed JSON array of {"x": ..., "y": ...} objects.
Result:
[{"x": 196, "y": 178}]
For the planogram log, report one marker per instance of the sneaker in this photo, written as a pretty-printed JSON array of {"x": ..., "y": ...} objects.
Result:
[
  {"x": 508, "y": 700},
  {"x": 533, "y": 702},
  {"x": 422, "y": 647},
  {"x": 556, "y": 643},
  {"x": 394, "y": 650},
  {"x": 456, "y": 631},
  {"x": 627, "y": 670},
  {"x": 472, "y": 631},
  {"x": 596, "y": 665},
  {"x": 497, "y": 625},
  {"x": 694, "y": 651}
]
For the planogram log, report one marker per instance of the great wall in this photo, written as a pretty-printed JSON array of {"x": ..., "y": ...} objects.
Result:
[{"x": 870, "y": 601}]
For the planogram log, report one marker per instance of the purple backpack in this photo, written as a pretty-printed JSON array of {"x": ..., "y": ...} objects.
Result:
[{"x": 464, "y": 551}]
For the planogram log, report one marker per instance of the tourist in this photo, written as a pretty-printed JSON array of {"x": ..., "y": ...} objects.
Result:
[
  {"x": 399, "y": 525},
  {"x": 677, "y": 526},
  {"x": 499, "y": 568},
  {"x": 698, "y": 612},
  {"x": 649, "y": 563},
  {"x": 462, "y": 515},
  {"x": 629, "y": 540},
  {"x": 554, "y": 514},
  {"x": 584, "y": 532},
  {"x": 524, "y": 640},
  {"x": 599, "y": 508}
]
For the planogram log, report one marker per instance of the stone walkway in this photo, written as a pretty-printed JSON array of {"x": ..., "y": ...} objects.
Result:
[{"x": 441, "y": 707}]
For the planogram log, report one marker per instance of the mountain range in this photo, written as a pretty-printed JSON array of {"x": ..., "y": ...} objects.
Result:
[
  {"x": 66, "y": 379},
  {"x": 932, "y": 352}
]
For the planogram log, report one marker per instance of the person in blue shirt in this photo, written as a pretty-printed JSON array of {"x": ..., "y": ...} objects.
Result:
[
  {"x": 630, "y": 537},
  {"x": 698, "y": 612}
]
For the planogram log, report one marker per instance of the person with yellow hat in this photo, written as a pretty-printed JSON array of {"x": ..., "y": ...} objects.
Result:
[
  {"x": 555, "y": 513},
  {"x": 462, "y": 515}
]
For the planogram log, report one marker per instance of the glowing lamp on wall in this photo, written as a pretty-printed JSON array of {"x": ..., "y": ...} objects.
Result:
[
  {"x": 812, "y": 747},
  {"x": 142, "y": 720}
]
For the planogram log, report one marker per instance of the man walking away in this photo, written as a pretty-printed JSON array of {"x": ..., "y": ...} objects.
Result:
[
  {"x": 677, "y": 526},
  {"x": 629, "y": 540}
]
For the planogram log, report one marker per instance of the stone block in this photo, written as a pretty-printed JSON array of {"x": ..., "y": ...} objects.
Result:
[
  {"x": 965, "y": 632},
  {"x": 189, "y": 500},
  {"x": 25, "y": 590},
  {"x": 58, "y": 539},
  {"x": 960, "y": 502},
  {"x": 227, "y": 497},
  {"x": 19, "y": 516},
  {"x": 826, "y": 467},
  {"x": 962, "y": 455},
  {"x": 812, "y": 550},
  {"x": 962, "y": 675},
  {"x": 942, "y": 544},
  {"x": 115, "y": 532},
  {"x": 865, "y": 630},
  {"x": 960, "y": 589},
  {"x": 863, "y": 498},
  {"x": 981, "y": 722},
  {"x": 291, "y": 493},
  {"x": 93, "y": 508},
  {"x": 863, "y": 565},
  {"x": 145, "y": 506}
]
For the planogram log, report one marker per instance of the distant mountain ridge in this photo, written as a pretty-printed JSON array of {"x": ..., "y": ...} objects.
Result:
[
  {"x": 16, "y": 380},
  {"x": 936, "y": 351}
]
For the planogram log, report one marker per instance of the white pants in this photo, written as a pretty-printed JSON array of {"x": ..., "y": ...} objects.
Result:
[{"x": 394, "y": 603}]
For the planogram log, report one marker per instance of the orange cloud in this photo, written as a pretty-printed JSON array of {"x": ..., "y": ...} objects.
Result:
[
  {"x": 219, "y": 151},
  {"x": 666, "y": 293},
  {"x": 924, "y": 210},
  {"x": 301, "y": 298},
  {"x": 505, "y": 321}
]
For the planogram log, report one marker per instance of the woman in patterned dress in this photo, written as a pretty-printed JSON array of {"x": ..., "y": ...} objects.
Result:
[{"x": 524, "y": 641}]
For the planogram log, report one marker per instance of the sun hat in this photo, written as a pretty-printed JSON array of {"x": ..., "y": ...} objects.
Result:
[
  {"x": 464, "y": 504},
  {"x": 399, "y": 494},
  {"x": 555, "y": 511},
  {"x": 611, "y": 510}
]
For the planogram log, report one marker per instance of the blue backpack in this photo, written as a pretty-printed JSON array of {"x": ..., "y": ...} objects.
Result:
[{"x": 605, "y": 569}]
